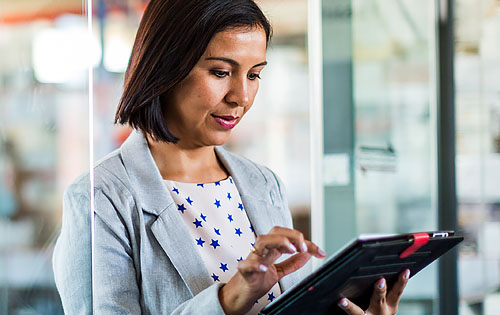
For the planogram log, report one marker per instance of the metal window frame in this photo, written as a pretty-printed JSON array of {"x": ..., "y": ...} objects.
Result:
[{"x": 446, "y": 171}]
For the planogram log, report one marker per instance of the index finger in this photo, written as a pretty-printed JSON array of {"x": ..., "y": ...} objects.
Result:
[{"x": 295, "y": 237}]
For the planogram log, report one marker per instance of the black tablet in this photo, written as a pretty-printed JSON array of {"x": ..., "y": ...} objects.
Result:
[{"x": 353, "y": 271}]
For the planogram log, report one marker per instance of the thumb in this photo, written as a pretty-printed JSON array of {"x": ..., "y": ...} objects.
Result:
[{"x": 292, "y": 264}]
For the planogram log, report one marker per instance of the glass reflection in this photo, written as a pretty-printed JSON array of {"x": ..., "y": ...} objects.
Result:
[{"x": 43, "y": 143}]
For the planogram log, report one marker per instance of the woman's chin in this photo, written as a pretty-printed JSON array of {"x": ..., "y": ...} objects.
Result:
[{"x": 219, "y": 138}]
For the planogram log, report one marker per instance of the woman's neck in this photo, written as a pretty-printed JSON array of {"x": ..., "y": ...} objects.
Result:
[{"x": 191, "y": 165}]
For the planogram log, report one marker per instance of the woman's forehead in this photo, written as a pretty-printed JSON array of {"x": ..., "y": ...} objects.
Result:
[{"x": 238, "y": 42}]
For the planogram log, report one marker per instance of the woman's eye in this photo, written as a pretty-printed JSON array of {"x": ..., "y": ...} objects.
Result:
[
  {"x": 219, "y": 73},
  {"x": 253, "y": 76}
]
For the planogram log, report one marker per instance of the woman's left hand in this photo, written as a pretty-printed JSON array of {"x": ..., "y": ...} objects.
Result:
[{"x": 382, "y": 302}]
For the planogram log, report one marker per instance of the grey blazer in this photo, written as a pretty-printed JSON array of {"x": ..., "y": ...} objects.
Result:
[{"x": 144, "y": 259}]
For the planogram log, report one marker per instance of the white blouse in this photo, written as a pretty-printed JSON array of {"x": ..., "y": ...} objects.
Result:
[{"x": 219, "y": 226}]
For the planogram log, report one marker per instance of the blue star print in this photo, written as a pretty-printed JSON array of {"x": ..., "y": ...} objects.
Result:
[
  {"x": 217, "y": 203},
  {"x": 215, "y": 277},
  {"x": 223, "y": 267},
  {"x": 200, "y": 242},
  {"x": 215, "y": 243},
  {"x": 238, "y": 232},
  {"x": 181, "y": 208},
  {"x": 197, "y": 223},
  {"x": 204, "y": 208},
  {"x": 270, "y": 296}
]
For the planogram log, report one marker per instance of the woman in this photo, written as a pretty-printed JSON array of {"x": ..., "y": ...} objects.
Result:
[{"x": 176, "y": 216}]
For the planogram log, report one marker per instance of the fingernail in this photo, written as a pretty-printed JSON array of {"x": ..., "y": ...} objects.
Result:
[
  {"x": 263, "y": 268},
  {"x": 304, "y": 247},
  {"x": 292, "y": 248},
  {"x": 381, "y": 285},
  {"x": 407, "y": 274},
  {"x": 343, "y": 303},
  {"x": 321, "y": 252}
]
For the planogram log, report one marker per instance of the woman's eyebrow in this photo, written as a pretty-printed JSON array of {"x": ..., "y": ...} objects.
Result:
[{"x": 234, "y": 62}]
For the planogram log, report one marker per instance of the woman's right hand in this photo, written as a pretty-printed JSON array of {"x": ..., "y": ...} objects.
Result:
[
  {"x": 382, "y": 302},
  {"x": 258, "y": 273}
]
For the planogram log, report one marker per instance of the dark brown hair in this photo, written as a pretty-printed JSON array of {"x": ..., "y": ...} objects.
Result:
[{"x": 172, "y": 37}]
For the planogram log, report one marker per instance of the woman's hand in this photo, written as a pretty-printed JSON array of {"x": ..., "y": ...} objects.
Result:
[
  {"x": 382, "y": 302},
  {"x": 258, "y": 273}
]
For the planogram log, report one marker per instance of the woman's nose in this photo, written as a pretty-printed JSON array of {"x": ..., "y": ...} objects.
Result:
[{"x": 239, "y": 93}]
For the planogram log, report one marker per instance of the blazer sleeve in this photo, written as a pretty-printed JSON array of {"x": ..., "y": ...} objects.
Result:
[
  {"x": 116, "y": 282},
  {"x": 117, "y": 270},
  {"x": 72, "y": 253}
]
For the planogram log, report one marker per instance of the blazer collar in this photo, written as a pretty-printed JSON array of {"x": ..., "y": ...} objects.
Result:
[
  {"x": 144, "y": 175},
  {"x": 169, "y": 229},
  {"x": 150, "y": 190}
]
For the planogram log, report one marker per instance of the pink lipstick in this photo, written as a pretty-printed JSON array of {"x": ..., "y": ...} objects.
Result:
[{"x": 226, "y": 122}]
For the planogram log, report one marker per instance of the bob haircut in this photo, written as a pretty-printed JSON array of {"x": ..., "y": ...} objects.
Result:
[{"x": 172, "y": 37}]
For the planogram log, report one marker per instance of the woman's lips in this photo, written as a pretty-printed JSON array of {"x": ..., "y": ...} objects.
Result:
[{"x": 226, "y": 122}]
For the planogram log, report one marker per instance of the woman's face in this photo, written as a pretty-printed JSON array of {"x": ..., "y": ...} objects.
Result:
[{"x": 203, "y": 108}]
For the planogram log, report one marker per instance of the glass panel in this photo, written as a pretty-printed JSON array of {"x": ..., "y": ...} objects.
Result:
[
  {"x": 115, "y": 25},
  {"x": 275, "y": 132},
  {"x": 477, "y": 73},
  {"x": 393, "y": 95},
  {"x": 394, "y": 100},
  {"x": 43, "y": 142},
  {"x": 379, "y": 126}
]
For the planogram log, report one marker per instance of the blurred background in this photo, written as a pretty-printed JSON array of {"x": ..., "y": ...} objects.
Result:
[
  {"x": 368, "y": 132},
  {"x": 43, "y": 141}
]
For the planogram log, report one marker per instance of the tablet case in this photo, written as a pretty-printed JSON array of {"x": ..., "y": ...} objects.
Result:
[{"x": 353, "y": 271}]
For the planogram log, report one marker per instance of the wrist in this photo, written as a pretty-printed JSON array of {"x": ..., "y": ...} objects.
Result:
[
  {"x": 227, "y": 300},
  {"x": 231, "y": 300}
]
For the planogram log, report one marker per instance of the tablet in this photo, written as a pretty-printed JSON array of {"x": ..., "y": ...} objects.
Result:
[{"x": 354, "y": 269}]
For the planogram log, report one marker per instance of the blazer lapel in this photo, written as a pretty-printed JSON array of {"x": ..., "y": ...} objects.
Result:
[
  {"x": 168, "y": 228},
  {"x": 171, "y": 233}
]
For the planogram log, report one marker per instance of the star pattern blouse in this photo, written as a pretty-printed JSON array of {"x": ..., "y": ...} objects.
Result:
[{"x": 219, "y": 227}]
